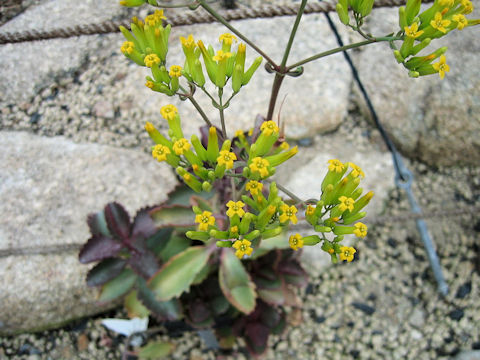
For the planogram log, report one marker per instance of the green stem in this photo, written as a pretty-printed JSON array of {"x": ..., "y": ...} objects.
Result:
[
  {"x": 200, "y": 110},
  {"x": 289, "y": 193},
  {"x": 342, "y": 48},
  {"x": 217, "y": 16},
  {"x": 234, "y": 193},
  {"x": 281, "y": 71},
  {"x": 222, "y": 116},
  {"x": 211, "y": 97}
]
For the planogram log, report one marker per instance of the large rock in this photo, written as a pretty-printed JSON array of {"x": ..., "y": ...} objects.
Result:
[
  {"x": 433, "y": 120},
  {"x": 47, "y": 188},
  {"x": 67, "y": 92}
]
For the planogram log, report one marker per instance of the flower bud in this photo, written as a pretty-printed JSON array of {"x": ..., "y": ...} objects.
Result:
[
  {"x": 210, "y": 65},
  {"x": 349, "y": 218},
  {"x": 248, "y": 75},
  {"x": 212, "y": 147},
  {"x": 342, "y": 13},
  {"x": 322, "y": 229},
  {"x": 206, "y": 186},
  {"x": 198, "y": 235},
  {"x": 311, "y": 240},
  {"x": 224, "y": 244},
  {"x": 253, "y": 235},
  {"x": 217, "y": 234},
  {"x": 271, "y": 232},
  {"x": 412, "y": 9}
]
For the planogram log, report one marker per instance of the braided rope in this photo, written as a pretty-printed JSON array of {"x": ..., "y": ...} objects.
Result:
[{"x": 187, "y": 18}]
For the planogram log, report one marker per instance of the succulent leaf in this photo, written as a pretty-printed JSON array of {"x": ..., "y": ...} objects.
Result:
[
  {"x": 98, "y": 224},
  {"x": 118, "y": 220},
  {"x": 162, "y": 310},
  {"x": 134, "y": 307},
  {"x": 105, "y": 271},
  {"x": 179, "y": 272},
  {"x": 155, "y": 350},
  {"x": 143, "y": 226},
  {"x": 172, "y": 216},
  {"x": 144, "y": 263},
  {"x": 118, "y": 286},
  {"x": 99, "y": 247},
  {"x": 235, "y": 282},
  {"x": 175, "y": 245}
]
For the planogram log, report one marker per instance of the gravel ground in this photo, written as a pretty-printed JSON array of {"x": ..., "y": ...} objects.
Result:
[{"x": 384, "y": 305}]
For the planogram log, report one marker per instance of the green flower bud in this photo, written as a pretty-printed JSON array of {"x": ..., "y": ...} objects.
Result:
[
  {"x": 342, "y": 13},
  {"x": 406, "y": 46},
  {"x": 271, "y": 232},
  {"x": 192, "y": 158},
  {"x": 311, "y": 240},
  {"x": 366, "y": 7},
  {"x": 419, "y": 47},
  {"x": 322, "y": 229},
  {"x": 132, "y": 3},
  {"x": 140, "y": 36},
  {"x": 197, "y": 210},
  {"x": 343, "y": 230},
  {"x": 210, "y": 65},
  {"x": 174, "y": 84},
  {"x": 199, "y": 149},
  {"x": 206, "y": 186},
  {"x": 247, "y": 200},
  {"x": 273, "y": 192},
  {"x": 248, "y": 75},
  {"x": 156, "y": 136},
  {"x": 219, "y": 171},
  {"x": 198, "y": 235},
  {"x": 212, "y": 147},
  {"x": 349, "y": 218},
  {"x": 278, "y": 159},
  {"x": 192, "y": 182},
  {"x": 237, "y": 78},
  {"x": 253, "y": 235},
  {"x": 398, "y": 56},
  {"x": 264, "y": 217},
  {"x": 245, "y": 223},
  {"x": 412, "y": 9},
  {"x": 197, "y": 73},
  {"x": 356, "y": 194},
  {"x": 402, "y": 17},
  {"x": 217, "y": 234}
]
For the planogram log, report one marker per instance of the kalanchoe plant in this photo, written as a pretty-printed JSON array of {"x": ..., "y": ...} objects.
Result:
[{"x": 217, "y": 253}]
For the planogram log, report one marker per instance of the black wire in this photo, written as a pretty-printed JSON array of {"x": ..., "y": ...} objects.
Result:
[{"x": 399, "y": 168}]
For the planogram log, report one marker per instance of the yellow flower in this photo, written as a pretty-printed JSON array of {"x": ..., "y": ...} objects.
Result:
[
  {"x": 235, "y": 208},
  {"x": 360, "y": 230},
  {"x": 150, "y": 84},
  {"x": 181, "y": 146},
  {"x": 151, "y": 60},
  {"x": 284, "y": 145},
  {"x": 467, "y": 6},
  {"x": 336, "y": 165},
  {"x": 347, "y": 252},
  {"x": 346, "y": 203},
  {"x": 227, "y": 38},
  {"x": 189, "y": 42},
  {"x": 221, "y": 56},
  {"x": 460, "y": 20},
  {"x": 441, "y": 66},
  {"x": 160, "y": 152},
  {"x": 310, "y": 210},
  {"x": 149, "y": 127},
  {"x": 175, "y": 71},
  {"x": 288, "y": 213},
  {"x": 127, "y": 47},
  {"x": 439, "y": 24},
  {"x": 295, "y": 241},
  {"x": 254, "y": 187},
  {"x": 169, "y": 112},
  {"x": 269, "y": 128},
  {"x": 239, "y": 134},
  {"x": 446, "y": 3},
  {"x": 260, "y": 166},
  {"x": 356, "y": 170},
  {"x": 250, "y": 132},
  {"x": 159, "y": 15},
  {"x": 242, "y": 247},
  {"x": 151, "y": 20},
  {"x": 412, "y": 31},
  {"x": 205, "y": 220},
  {"x": 226, "y": 158}
]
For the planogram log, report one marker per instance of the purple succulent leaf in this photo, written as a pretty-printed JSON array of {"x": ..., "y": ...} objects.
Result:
[
  {"x": 161, "y": 310},
  {"x": 145, "y": 263},
  {"x": 105, "y": 271},
  {"x": 256, "y": 337},
  {"x": 143, "y": 226},
  {"x": 98, "y": 248},
  {"x": 199, "y": 312},
  {"x": 118, "y": 220},
  {"x": 98, "y": 224}
]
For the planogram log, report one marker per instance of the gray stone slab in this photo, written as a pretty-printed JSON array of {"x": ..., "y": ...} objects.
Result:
[{"x": 47, "y": 188}]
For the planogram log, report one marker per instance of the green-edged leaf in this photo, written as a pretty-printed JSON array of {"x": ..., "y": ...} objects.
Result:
[
  {"x": 159, "y": 240},
  {"x": 272, "y": 296},
  {"x": 98, "y": 224},
  {"x": 105, "y": 271},
  {"x": 235, "y": 282},
  {"x": 175, "y": 246},
  {"x": 156, "y": 350},
  {"x": 165, "y": 216},
  {"x": 162, "y": 310},
  {"x": 118, "y": 286},
  {"x": 179, "y": 272},
  {"x": 180, "y": 195},
  {"x": 202, "y": 275},
  {"x": 277, "y": 242},
  {"x": 134, "y": 307}
]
